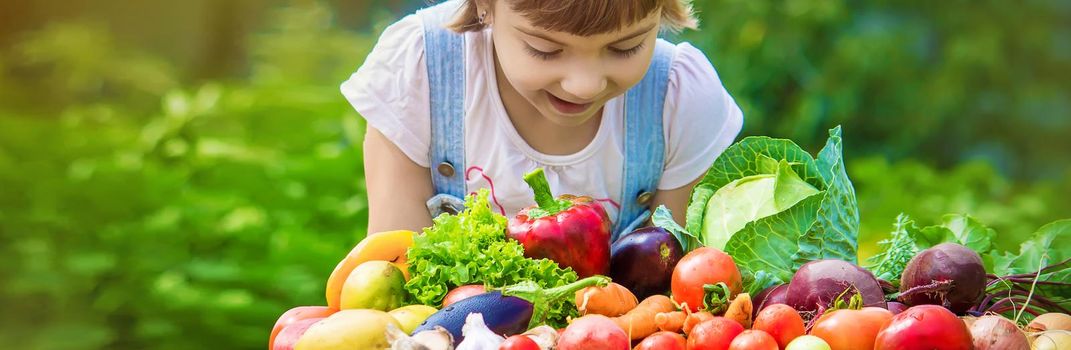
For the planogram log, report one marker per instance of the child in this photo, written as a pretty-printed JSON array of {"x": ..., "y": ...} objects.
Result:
[{"x": 473, "y": 94}]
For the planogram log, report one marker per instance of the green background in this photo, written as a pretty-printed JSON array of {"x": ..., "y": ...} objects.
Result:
[{"x": 174, "y": 175}]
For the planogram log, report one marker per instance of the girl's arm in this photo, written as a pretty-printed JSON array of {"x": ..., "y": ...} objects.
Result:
[
  {"x": 397, "y": 187},
  {"x": 676, "y": 200}
]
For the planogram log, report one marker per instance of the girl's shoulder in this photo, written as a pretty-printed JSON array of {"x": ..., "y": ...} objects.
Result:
[
  {"x": 691, "y": 69},
  {"x": 390, "y": 88},
  {"x": 404, "y": 37},
  {"x": 700, "y": 117}
]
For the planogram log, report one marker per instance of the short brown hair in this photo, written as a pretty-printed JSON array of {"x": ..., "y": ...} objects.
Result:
[{"x": 585, "y": 17}]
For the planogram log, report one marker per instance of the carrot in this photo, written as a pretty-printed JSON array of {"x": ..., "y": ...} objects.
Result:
[
  {"x": 740, "y": 310},
  {"x": 670, "y": 321},
  {"x": 610, "y": 301},
  {"x": 640, "y": 321},
  {"x": 694, "y": 319}
]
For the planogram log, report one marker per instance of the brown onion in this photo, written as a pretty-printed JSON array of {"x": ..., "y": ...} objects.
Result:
[
  {"x": 1053, "y": 340},
  {"x": 1052, "y": 321},
  {"x": 993, "y": 332}
]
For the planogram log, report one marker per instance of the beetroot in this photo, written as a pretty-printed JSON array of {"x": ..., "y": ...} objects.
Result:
[
  {"x": 817, "y": 284},
  {"x": 769, "y": 296},
  {"x": 947, "y": 274},
  {"x": 896, "y": 307},
  {"x": 927, "y": 327}
]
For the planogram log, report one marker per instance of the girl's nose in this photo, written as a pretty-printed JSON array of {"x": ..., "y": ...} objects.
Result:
[{"x": 585, "y": 83}]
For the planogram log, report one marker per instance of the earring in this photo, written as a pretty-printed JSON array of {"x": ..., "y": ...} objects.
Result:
[{"x": 483, "y": 15}]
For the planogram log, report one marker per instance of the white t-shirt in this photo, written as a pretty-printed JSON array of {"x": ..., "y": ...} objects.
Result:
[{"x": 390, "y": 90}]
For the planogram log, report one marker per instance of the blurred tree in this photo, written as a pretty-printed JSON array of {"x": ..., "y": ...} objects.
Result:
[
  {"x": 944, "y": 82},
  {"x": 191, "y": 223}
]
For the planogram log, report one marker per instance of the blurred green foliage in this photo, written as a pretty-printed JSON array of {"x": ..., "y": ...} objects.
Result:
[
  {"x": 945, "y": 82},
  {"x": 144, "y": 208},
  {"x": 1014, "y": 209},
  {"x": 147, "y": 214}
]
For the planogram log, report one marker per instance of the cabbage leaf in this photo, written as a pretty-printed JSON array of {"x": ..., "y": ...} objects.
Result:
[{"x": 771, "y": 226}]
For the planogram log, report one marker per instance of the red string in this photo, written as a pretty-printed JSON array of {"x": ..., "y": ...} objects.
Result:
[
  {"x": 618, "y": 206},
  {"x": 489, "y": 182}
]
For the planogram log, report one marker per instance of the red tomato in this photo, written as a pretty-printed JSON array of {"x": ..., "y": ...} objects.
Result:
[
  {"x": 851, "y": 329},
  {"x": 662, "y": 341},
  {"x": 463, "y": 292},
  {"x": 753, "y": 340},
  {"x": 924, "y": 327},
  {"x": 700, "y": 267},
  {"x": 519, "y": 342},
  {"x": 714, "y": 334},
  {"x": 782, "y": 322}
]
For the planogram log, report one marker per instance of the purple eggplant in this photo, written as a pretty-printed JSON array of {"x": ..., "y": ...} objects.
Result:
[
  {"x": 506, "y": 311},
  {"x": 502, "y": 314},
  {"x": 643, "y": 261}
]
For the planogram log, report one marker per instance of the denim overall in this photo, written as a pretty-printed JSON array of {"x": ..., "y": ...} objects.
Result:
[{"x": 644, "y": 146}]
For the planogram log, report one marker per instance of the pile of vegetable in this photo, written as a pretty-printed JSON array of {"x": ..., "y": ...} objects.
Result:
[
  {"x": 471, "y": 248},
  {"x": 766, "y": 260}
]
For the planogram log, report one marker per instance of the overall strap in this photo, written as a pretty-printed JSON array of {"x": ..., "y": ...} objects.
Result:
[
  {"x": 644, "y": 141},
  {"x": 444, "y": 53}
]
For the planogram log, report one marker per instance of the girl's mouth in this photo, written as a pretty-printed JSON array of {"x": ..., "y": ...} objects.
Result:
[{"x": 566, "y": 107}]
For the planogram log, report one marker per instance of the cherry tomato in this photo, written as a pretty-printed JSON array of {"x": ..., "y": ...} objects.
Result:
[
  {"x": 703, "y": 266},
  {"x": 662, "y": 341},
  {"x": 851, "y": 329},
  {"x": 519, "y": 342},
  {"x": 753, "y": 340},
  {"x": 782, "y": 322}
]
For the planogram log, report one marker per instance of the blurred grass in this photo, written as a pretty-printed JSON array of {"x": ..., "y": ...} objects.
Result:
[{"x": 144, "y": 207}]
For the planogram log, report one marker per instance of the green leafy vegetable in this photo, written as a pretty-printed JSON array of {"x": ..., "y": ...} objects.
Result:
[
  {"x": 663, "y": 218},
  {"x": 907, "y": 239},
  {"x": 764, "y": 198},
  {"x": 751, "y": 198},
  {"x": 765, "y": 246},
  {"x": 970, "y": 232},
  {"x": 541, "y": 297},
  {"x": 1012, "y": 274},
  {"x": 835, "y": 233},
  {"x": 896, "y": 251},
  {"x": 1050, "y": 242},
  {"x": 471, "y": 247}
]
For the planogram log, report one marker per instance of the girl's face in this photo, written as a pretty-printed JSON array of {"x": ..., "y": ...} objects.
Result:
[{"x": 568, "y": 78}]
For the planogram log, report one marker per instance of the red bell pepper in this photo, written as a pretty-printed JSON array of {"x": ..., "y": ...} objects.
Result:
[{"x": 574, "y": 231}]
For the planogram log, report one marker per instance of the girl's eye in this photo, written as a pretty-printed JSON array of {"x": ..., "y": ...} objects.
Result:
[
  {"x": 626, "y": 53},
  {"x": 543, "y": 55}
]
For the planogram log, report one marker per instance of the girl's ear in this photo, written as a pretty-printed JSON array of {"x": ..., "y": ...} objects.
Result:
[{"x": 483, "y": 11}]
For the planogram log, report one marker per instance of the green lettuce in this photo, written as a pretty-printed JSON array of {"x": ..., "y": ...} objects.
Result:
[
  {"x": 773, "y": 207},
  {"x": 471, "y": 248}
]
